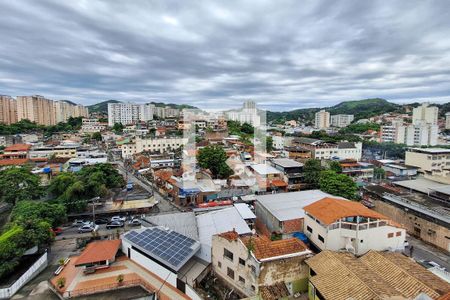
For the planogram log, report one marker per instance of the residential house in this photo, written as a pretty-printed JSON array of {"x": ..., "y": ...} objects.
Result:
[
  {"x": 357, "y": 170},
  {"x": 283, "y": 214},
  {"x": 375, "y": 275},
  {"x": 255, "y": 265},
  {"x": 292, "y": 170},
  {"x": 338, "y": 224}
]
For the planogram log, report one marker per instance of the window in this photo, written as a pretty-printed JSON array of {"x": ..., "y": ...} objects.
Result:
[
  {"x": 227, "y": 254},
  {"x": 309, "y": 229},
  {"x": 361, "y": 241},
  {"x": 241, "y": 280},
  {"x": 321, "y": 238},
  {"x": 253, "y": 269},
  {"x": 230, "y": 273},
  {"x": 253, "y": 288},
  {"x": 241, "y": 262},
  {"x": 398, "y": 233},
  {"x": 219, "y": 264},
  {"x": 390, "y": 235}
]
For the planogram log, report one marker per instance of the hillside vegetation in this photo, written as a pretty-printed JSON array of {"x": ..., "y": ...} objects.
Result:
[{"x": 365, "y": 108}]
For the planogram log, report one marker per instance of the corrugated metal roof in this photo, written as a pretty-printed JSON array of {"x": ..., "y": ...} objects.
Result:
[
  {"x": 288, "y": 206},
  {"x": 244, "y": 211}
]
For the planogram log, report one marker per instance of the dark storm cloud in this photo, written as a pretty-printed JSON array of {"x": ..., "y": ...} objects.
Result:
[{"x": 282, "y": 54}]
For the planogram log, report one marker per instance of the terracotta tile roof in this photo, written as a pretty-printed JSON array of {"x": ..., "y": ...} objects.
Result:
[
  {"x": 163, "y": 174},
  {"x": 290, "y": 226},
  {"x": 98, "y": 251},
  {"x": 13, "y": 162},
  {"x": 18, "y": 147},
  {"x": 274, "y": 291},
  {"x": 376, "y": 275},
  {"x": 278, "y": 183},
  {"x": 230, "y": 235},
  {"x": 264, "y": 248},
  {"x": 329, "y": 210}
]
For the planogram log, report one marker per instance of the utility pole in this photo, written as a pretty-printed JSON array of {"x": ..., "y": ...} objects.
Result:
[{"x": 94, "y": 202}]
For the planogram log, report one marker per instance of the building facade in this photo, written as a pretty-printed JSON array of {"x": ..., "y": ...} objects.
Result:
[
  {"x": 248, "y": 114},
  {"x": 337, "y": 224},
  {"x": 36, "y": 109},
  {"x": 341, "y": 120},
  {"x": 322, "y": 119},
  {"x": 8, "y": 110},
  {"x": 254, "y": 264},
  {"x": 447, "y": 120},
  {"x": 152, "y": 145},
  {"x": 434, "y": 163},
  {"x": 426, "y": 113},
  {"x": 64, "y": 110},
  {"x": 129, "y": 113}
]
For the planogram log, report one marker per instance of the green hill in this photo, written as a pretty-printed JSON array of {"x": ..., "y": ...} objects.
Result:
[
  {"x": 101, "y": 107},
  {"x": 365, "y": 108}
]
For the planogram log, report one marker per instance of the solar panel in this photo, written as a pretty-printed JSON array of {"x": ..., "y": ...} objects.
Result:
[{"x": 167, "y": 246}]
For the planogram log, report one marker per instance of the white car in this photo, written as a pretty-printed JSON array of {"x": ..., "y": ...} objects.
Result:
[
  {"x": 87, "y": 228},
  {"x": 118, "y": 218},
  {"x": 78, "y": 223}
]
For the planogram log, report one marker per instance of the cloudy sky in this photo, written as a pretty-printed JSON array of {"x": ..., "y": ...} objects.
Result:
[{"x": 214, "y": 54}]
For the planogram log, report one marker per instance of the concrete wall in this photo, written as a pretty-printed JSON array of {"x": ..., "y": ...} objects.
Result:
[
  {"x": 239, "y": 251},
  {"x": 432, "y": 233},
  {"x": 361, "y": 240}
]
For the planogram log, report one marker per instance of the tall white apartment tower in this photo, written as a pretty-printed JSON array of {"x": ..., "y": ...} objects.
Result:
[
  {"x": 129, "y": 113},
  {"x": 426, "y": 113}
]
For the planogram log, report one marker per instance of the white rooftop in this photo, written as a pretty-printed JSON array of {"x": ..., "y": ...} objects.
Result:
[
  {"x": 421, "y": 185},
  {"x": 288, "y": 206},
  {"x": 264, "y": 169},
  {"x": 244, "y": 211},
  {"x": 432, "y": 150},
  {"x": 287, "y": 162},
  {"x": 215, "y": 222}
]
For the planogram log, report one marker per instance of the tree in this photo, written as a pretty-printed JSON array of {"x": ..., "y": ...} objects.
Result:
[
  {"x": 97, "y": 136},
  {"x": 17, "y": 184},
  {"x": 379, "y": 173},
  {"x": 118, "y": 128},
  {"x": 269, "y": 144},
  {"x": 335, "y": 166},
  {"x": 54, "y": 214},
  {"x": 73, "y": 189},
  {"x": 247, "y": 128},
  {"x": 214, "y": 158},
  {"x": 311, "y": 170},
  {"x": 337, "y": 184}
]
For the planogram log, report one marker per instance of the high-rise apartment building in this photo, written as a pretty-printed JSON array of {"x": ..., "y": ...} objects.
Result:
[
  {"x": 426, "y": 113},
  {"x": 64, "y": 110},
  {"x": 341, "y": 120},
  {"x": 129, "y": 113},
  {"x": 8, "y": 110},
  {"x": 36, "y": 109},
  {"x": 418, "y": 134},
  {"x": 248, "y": 114},
  {"x": 322, "y": 120}
]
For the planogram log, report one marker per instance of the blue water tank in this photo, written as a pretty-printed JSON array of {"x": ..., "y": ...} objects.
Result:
[{"x": 301, "y": 236}]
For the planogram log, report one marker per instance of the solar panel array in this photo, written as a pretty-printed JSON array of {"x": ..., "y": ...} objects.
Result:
[{"x": 168, "y": 246}]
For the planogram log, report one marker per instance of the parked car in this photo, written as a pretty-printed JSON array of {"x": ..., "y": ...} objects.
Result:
[
  {"x": 101, "y": 221},
  {"x": 118, "y": 218},
  {"x": 87, "y": 228},
  {"x": 57, "y": 230},
  {"x": 135, "y": 222},
  {"x": 81, "y": 223},
  {"x": 114, "y": 224}
]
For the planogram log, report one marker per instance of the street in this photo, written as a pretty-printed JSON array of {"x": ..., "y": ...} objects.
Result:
[{"x": 423, "y": 251}]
